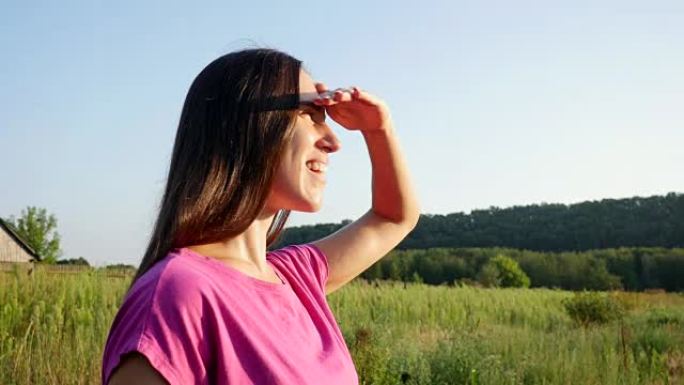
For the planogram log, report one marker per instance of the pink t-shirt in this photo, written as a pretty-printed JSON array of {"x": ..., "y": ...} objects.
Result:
[{"x": 199, "y": 321}]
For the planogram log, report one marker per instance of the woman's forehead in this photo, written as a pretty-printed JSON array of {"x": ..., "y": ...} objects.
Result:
[{"x": 307, "y": 87}]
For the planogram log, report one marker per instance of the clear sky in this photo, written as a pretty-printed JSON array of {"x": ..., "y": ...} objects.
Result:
[{"x": 496, "y": 103}]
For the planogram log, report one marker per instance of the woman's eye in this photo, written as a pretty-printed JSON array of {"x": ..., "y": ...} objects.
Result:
[{"x": 314, "y": 116}]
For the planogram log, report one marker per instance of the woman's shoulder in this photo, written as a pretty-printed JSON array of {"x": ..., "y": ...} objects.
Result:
[
  {"x": 299, "y": 252},
  {"x": 164, "y": 317},
  {"x": 173, "y": 281},
  {"x": 170, "y": 296},
  {"x": 304, "y": 260}
]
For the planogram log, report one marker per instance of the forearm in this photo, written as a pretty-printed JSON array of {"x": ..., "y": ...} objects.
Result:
[{"x": 393, "y": 195}]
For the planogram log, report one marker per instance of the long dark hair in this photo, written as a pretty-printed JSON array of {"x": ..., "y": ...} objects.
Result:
[{"x": 237, "y": 116}]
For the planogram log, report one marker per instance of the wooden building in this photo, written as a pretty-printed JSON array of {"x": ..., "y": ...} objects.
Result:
[{"x": 14, "y": 250}]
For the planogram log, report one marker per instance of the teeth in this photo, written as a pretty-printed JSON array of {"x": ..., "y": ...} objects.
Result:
[{"x": 316, "y": 166}]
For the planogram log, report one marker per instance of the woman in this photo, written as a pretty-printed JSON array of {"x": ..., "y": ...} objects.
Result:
[{"x": 209, "y": 304}]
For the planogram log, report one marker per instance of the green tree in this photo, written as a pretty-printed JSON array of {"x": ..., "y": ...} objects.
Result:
[
  {"x": 74, "y": 261},
  {"x": 39, "y": 231},
  {"x": 503, "y": 271},
  {"x": 395, "y": 271},
  {"x": 489, "y": 275}
]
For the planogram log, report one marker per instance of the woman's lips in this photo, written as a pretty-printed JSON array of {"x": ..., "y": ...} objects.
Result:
[{"x": 317, "y": 174}]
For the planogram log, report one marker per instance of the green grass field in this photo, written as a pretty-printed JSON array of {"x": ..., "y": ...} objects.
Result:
[{"x": 53, "y": 328}]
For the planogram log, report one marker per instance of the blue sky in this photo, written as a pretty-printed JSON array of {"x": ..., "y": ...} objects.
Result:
[{"x": 495, "y": 103}]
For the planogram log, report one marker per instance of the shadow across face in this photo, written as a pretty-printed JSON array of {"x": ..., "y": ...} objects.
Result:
[{"x": 282, "y": 102}]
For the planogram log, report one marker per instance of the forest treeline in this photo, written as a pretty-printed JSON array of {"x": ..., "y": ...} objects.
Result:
[
  {"x": 632, "y": 269},
  {"x": 633, "y": 244},
  {"x": 656, "y": 221}
]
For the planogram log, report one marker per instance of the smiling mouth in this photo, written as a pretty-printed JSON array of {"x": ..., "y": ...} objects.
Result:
[{"x": 317, "y": 174}]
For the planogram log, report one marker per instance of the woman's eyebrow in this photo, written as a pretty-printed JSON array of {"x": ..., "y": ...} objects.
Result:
[{"x": 311, "y": 105}]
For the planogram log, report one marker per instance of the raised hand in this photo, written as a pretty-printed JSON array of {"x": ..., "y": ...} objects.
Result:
[{"x": 353, "y": 108}]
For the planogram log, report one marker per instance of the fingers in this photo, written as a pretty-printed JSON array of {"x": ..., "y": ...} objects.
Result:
[
  {"x": 331, "y": 97},
  {"x": 345, "y": 94},
  {"x": 321, "y": 87},
  {"x": 328, "y": 97},
  {"x": 365, "y": 96},
  {"x": 342, "y": 95}
]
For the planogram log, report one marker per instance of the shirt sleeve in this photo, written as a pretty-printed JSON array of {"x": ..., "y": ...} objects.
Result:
[
  {"x": 319, "y": 263},
  {"x": 162, "y": 320},
  {"x": 307, "y": 262}
]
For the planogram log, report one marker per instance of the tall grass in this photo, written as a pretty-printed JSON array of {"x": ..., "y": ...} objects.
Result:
[
  {"x": 446, "y": 335},
  {"x": 53, "y": 328}
]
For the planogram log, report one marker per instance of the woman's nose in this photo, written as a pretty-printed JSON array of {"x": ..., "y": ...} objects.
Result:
[{"x": 330, "y": 143}]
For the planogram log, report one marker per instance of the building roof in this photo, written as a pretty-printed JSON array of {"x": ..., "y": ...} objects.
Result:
[{"x": 17, "y": 238}]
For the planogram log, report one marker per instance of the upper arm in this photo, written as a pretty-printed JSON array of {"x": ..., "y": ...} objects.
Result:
[
  {"x": 166, "y": 321},
  {"x": 135, "y": 369},
  {"x": 357, "y": 246}
]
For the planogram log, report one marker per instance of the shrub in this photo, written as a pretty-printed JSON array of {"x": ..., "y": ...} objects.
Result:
[{"x": 588, "y": 308}]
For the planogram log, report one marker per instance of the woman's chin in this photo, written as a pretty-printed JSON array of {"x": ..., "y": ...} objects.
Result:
[
  {"x": 301, "y": 202},
  {"x": 309, "y": 206}
]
